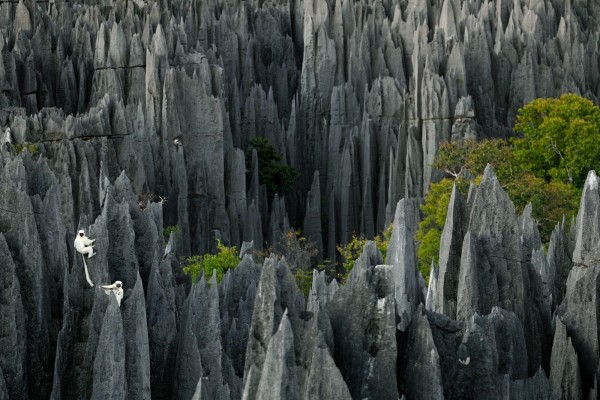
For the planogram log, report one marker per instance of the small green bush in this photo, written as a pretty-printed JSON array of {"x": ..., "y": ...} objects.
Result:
[
  {"x": 168, "y": 230},
  {"x": 303, "y": 280},
  {"x": 353, "y": 249},
  {"x": 32, "y": 148},
  {"x": 225, "y": 259}
]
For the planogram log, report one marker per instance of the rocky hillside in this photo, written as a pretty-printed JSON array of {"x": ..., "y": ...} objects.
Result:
[
  {"x": 112, "y": 102},
  {"x": 360, "y": 92}
]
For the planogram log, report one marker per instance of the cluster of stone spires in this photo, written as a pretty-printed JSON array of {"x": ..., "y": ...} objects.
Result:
[
  {"x": 501, "y": 318},
  {"x": 355, "y": 94},
  {"x": 360, "y": 92}
]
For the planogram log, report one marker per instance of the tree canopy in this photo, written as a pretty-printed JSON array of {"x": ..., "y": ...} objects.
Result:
[
  {"x": 278, "y": 178},
  {"x": 546, "y": 166},
  {"x": 550, "y": 198},
  {"x": 559, "y": 138}
]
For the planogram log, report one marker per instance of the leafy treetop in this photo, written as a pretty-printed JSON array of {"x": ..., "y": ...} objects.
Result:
[
  {"x": 560, "y": 138},
  {"x": 550, "y": 199},
  {"x": 279, "y": 178}
]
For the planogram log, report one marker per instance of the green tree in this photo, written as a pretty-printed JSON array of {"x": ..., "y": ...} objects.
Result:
[
  {"x": 559, "y": 138},
  {"x": 279, "y": 178},
  {"x": 225, "y": 259},
  {"x": 550, "y": 200},
  {"x": 475, "y": 156}
]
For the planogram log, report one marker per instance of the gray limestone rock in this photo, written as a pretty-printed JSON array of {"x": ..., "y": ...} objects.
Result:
[
  {"x": 279, "y": 224},
  {"x": 19, "y": 228},
  {"x": 423, "y": 377},
  {"x": 565, "y": 377},
  {"x": 530, "y": 236},
  {"x": 536, "y": 387},
  {"x": 312, "y": 219},
  {"x": 365, "y": 339},
  {"x": 588, "y": 224},
  {"x": 237, "y": 294},
  {"x": 559, "y": 263},
  {"x": 432, "y": 289},
  {"x": 490, "y": 270},
  {"x": 109, "y": 378},
  {"x": 161, "y": 313},
  {"x": 361, "y": 93},
  {"x": 135, "y": 331},
  {"x": 12, "y": 347},
  {"x": 200, "y": 348},
  {"x": 505, "y": 330},
  {"x": 278, "y": 378},
  {"x": 276, "y": 292},
  {"x": 579, "y": 312},
  {"x": 3, "y": 390},
  {"x": 320, "y": 291},
  {"x": 401, "y": 256},
  {"x": 324, "y": 380},
  {"x": 450, "y": 253}
]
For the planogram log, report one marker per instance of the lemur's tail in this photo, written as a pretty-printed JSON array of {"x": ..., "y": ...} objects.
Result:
[{"x": 87, "y": 275}]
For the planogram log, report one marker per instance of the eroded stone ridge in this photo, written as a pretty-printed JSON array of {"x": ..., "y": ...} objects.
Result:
[{"x": 115, "y": 104}]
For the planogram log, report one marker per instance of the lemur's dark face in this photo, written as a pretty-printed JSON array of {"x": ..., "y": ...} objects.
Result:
[
  {"x": 118, "y": 285},
  {"x": 81, "y": 234}
]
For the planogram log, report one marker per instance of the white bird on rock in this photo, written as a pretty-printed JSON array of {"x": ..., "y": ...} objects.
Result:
[
  {"x": 84, "y": 245},
  {"x": 116, "y": 288}
]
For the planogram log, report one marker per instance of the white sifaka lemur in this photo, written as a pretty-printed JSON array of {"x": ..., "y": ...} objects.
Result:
[
  {"x": 84, "y": 245},
  {"x": 116, "y": 288}
]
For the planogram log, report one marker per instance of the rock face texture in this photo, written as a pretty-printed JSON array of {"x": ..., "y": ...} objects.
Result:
[
  {"x": 487, "y": 327},
  {"x": 354, "y": 95},
  {"x": 112, "y": 104}
]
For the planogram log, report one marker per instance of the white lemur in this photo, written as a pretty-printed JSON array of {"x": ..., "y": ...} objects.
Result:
[
  {"x": 84, "y": 245},
  {"x": 116, "y": 288}
]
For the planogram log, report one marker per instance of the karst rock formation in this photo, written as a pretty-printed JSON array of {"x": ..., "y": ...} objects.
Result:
[{"x": 113, "y": 103}]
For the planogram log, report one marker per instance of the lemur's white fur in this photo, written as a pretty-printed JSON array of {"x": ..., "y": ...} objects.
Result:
[
  {"x": 116, "y": 288},
  {"x": 84, "y": 245}
]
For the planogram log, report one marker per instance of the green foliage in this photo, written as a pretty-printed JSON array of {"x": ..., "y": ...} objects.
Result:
[
  {"x": 474, "y": 156},
  {"x": 225, "y": 259},
  {"x": 527, "y": 169},
  {"x": 435, "y": 209},
  {"x": 353, "y": 249},
  {"x": 170, "y": 229},
  {"x": 382, "y": 241},
  {"x": 303, "y": 280},
  {"x": 560, "y": 138},
  {"x": 550, "y": 199},
  {"x": 278, "y": 178},
  {"x": 32, "y": 148}
]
